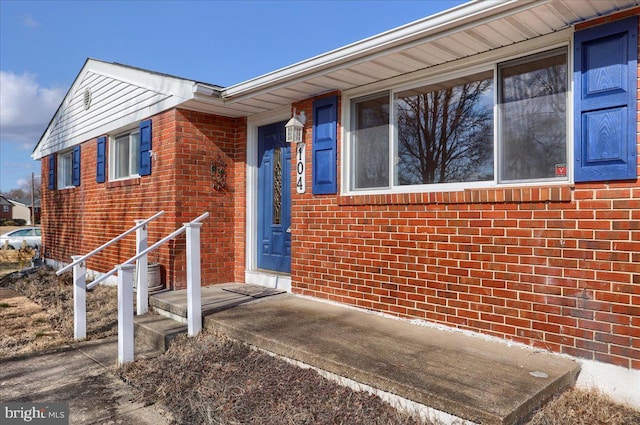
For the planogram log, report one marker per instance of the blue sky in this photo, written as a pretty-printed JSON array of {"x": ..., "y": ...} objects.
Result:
[{"x": 43, "y": 45}]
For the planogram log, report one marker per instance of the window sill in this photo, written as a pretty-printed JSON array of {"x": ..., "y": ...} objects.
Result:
[
  {"x": 504, "y": 195},
  {"x": 123, "y": 183}
]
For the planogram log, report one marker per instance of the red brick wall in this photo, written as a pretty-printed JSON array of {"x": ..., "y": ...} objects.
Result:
[
  {"x": 201, "y": 140},
  {"x": 556, "y": 267},
  {"x": 5, "y": 215},
  {"x": 77, "y": 220}
]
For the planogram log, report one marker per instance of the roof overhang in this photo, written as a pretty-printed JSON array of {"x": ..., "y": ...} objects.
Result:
[{"x": 464, "y": 31}]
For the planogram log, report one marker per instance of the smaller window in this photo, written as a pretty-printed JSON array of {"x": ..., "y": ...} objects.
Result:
[
  {"x": 123, "y": 156},
  {"x": 533, "y": 109},
  {"x": 5, "y": 208},
  {"x": 370, "y": 147},
  {"x": 65, "y": 169}
]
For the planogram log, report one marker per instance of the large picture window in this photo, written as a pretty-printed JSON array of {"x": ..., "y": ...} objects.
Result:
[
  {"x": 443, "y": 132},
  {"x": 124, "y": 159}
]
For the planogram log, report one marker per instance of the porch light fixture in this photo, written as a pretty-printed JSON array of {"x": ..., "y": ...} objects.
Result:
[{"x": 294, "y": 127}]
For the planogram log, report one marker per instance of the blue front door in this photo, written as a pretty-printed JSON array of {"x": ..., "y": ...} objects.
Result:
[{"x": 274, "y": 199}]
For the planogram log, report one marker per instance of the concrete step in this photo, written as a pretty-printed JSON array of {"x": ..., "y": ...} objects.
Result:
[
  {"x": 215, "y": 298},
  {"x": 480, "y": 380},
  {"x": 156, "y": 331}
]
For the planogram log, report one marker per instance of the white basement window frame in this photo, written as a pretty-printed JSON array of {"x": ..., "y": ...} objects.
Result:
[
  {"x": 494, "y": 165},
  {"x": 124, "y": 151}
]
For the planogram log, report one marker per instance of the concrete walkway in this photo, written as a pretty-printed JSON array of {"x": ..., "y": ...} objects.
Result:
[
  {"x": 470, "y": 377},
  {"x": 81, "y": 376}
]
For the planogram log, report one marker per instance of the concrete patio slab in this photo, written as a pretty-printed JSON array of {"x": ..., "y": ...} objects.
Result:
[{"x": 481, "y": 380}]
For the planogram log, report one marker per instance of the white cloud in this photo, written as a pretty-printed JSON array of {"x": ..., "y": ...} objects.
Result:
[
  {"x": 28, "y": 21},
  {"x": 26, "y": 108}
]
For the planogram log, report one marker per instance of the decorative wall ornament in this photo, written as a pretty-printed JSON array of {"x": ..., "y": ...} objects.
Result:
[{"x": 219, "y": 173}]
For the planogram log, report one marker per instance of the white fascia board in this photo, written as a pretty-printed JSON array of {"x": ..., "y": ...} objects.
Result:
[
  {"x": 454, "y": 19},
  {"x": 163, "y": 83},
  {"x": 203, "y": 89}
]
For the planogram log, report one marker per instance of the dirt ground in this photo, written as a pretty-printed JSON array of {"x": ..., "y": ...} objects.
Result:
[{"x": 211, "y": 379}]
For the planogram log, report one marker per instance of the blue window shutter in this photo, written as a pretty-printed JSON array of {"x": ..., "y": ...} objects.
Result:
[
  {"x": 324, "y": 158},
  {"x": 52, "y": 171},
  {"x": 75, "y": 165},
  {"x": 145, "y": 148},
  {"x": 101, "y": 163},
  {"x": 605, "y": 79}
]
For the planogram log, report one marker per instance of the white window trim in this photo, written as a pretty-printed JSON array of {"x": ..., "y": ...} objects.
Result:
[
  {"x": 60, "y": 162},
  {"x": 112, "y": 152},
  {"x": 467, "y": 66}
]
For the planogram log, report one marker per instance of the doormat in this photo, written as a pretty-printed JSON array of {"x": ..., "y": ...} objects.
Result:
[{"x": 254, "y": 291}]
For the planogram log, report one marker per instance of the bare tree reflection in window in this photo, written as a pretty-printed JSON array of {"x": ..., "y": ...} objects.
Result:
[{"x": 445, "y": 132}]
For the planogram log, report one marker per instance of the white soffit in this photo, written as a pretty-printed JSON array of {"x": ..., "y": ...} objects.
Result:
[{"x": 461, "y": 32}]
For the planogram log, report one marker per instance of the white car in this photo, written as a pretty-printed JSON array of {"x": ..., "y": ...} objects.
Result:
[{"x": 14, "y": 239}]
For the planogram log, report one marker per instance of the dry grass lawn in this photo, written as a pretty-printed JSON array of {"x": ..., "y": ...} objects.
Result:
[
  {"x": 44, "y": 319},
  {"x": 585, "y": 407},
  {"x": 25, "y": 324},
  {"x": 211, "y": 379}
]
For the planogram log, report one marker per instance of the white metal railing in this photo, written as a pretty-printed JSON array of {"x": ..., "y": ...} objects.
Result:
[
  {"x": 125, "y": 288},
  {"x": 80, "y": 270}
]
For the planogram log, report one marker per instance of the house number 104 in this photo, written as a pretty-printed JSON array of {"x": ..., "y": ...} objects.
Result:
[{"x": 300, "y": 167}]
